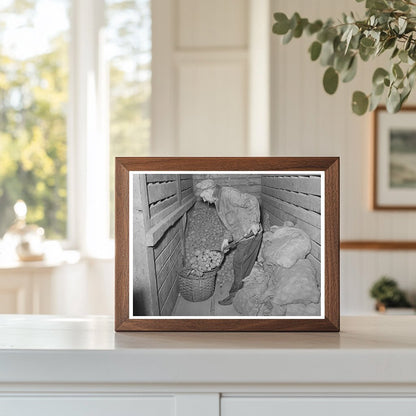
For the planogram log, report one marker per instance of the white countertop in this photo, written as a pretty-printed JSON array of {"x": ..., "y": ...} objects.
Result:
[{"x": 53, "y": 349}]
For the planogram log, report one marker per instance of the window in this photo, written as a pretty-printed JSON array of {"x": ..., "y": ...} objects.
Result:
[
  {"x": 129, "y": 46},
  {"x": 33, "y": 102},
  {"x": 75, "y": 88}
]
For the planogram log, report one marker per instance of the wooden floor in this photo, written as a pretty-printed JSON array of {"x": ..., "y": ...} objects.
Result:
[
  {"x": 209, "y": 307},
  {"x": 185, "y": 308}
]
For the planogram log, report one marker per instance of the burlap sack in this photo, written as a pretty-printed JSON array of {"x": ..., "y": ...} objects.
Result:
[
  {"x": 294, "y": 285},
  {"x": 247, "y": 299},
  {"x": 299, "y": 309},
  {"x": 284, "y": 246}
]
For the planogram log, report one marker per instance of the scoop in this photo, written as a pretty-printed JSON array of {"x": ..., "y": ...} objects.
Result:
[{"x": 234, "y": 243}]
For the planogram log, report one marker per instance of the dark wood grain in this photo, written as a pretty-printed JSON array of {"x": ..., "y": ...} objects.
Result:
[
  {"x": 328, "y": 164},
  {"x": 225, "y": 163},
  {"x": 231, "y": 325},
  {"x": 332, "y": 223},
  {"x": 378, "y": 245},
  {"x": 121, "y": 245}
]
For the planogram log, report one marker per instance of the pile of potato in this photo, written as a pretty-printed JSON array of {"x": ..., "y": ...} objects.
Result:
[
  {"x": 204, "y": 230},
  {"x": 204, "y": 261}
]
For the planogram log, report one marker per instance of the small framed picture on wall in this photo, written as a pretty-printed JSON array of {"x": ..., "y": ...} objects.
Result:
[{"x": 394, "y": 150}]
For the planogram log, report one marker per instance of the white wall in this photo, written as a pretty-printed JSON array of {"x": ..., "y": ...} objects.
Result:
[
  {"x": 210, "y": 59},
  {"x": 202, "y": 80},
  {"x": 211, "y": 72},
  {"x": 308, "y": 122},
  {"x": 86, "y": 288}
]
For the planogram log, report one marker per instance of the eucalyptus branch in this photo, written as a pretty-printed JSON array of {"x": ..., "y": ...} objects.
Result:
[{"x": 389, "y": 25}]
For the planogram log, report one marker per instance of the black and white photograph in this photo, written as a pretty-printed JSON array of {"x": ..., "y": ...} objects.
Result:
[
  {"x": 226, "y": 244},
  {"x": 394, "y": 159},
  {"x": 403, "y": 158}
]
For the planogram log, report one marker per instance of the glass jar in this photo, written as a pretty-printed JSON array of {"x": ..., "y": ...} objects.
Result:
[{"x": 23, "y": 240}]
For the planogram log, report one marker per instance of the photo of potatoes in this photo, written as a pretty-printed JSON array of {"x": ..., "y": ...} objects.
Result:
[{"x": 234, "y": 244}]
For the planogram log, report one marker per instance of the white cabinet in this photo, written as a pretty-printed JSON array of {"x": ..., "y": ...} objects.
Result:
[
  {"x": 51, "y": 365},
  {"x": 25, "y": 291},
  {"x": 68, "y": 286},
  {"x": 88, "y": 406},
  {"x": 269, "y": 406}
]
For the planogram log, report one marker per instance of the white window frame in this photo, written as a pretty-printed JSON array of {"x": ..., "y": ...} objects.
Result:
[
  {"x": 88, "y": 138},
  {"x": 88, "y": 141}
]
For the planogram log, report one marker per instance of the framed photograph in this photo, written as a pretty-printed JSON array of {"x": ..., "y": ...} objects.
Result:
[
  {"x": 394, "y": 179},
  {"x": 227, "y": 244}
]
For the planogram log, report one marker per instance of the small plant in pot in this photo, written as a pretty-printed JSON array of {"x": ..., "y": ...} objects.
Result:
[{"x": 387, "y": 294}]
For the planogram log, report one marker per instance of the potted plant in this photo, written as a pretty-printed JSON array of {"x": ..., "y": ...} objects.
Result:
[
  {"x": 389, "y": 27},
  {"x": 387, "y": 294}
]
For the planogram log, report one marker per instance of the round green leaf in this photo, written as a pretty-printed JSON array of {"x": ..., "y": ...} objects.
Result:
[
  {"x": 314, "y": 27},
  {"x": 378, "y": 90},
  {"x": 403, "y": 56},
  {"x": 300, "y": 25},
  {"x": 288, "y": 37},
  {"x": 315, "y": 50},
  {"x": 374, "y": 102},
  {"x": 367, "y": 42},
  {"x": 379, "y": 75},
  {"x": 342, "y": 61},
  {"x": 397, "y": 71},
  {"x": 330, "y": 80},
  {"x": 322, "y": 36},
  {"x": 404, "y": 96},
  {"x": 327, "y": 54},
  {"x": 294, "y": 20},
  {"x": 395, "y": 52},
  {"x": 389, "y": 43},
  {"x": 412, "y": 70},
  {"x": 351, "y": 71},
  {"x": 393, "y": 101},
  {"x": 282, "y": 25},
  {"x": 411, "y": 76},
  {"x": 359, "y": 103},
  {"x": 376, "y": 4},
  {"x": 366, "y": 53}
]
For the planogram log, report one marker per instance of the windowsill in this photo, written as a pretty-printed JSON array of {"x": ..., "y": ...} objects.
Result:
[
  {"x": 56, "y": 256},
  {"x": 64, "y": 257},
  {"x": 104, "y": 251}
]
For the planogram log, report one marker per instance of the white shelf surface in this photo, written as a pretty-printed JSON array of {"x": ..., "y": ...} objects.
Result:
[{"x": 53, "y": 349}]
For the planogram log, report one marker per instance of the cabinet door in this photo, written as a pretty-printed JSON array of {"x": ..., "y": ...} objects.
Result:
[
  {"x": 88, "y": 406},
  {"x": 273, "y": 406},
  {"x": 16, "y": 290}
]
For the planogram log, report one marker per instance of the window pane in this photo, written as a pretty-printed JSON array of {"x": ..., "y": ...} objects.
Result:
[
  {"x": 33, "y": 100},
  {"x": 129, "y": 51}
]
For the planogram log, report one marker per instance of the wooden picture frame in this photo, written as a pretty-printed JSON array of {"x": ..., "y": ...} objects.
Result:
[
  {"x": 132, "y": 169},
  {"x": 394, "y": 184}
]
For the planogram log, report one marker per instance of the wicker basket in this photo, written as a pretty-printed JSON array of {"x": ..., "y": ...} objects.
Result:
[{"x": 195, "y": 288}]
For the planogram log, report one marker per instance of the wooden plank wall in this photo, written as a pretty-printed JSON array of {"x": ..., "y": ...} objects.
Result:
[
  {"x": 168, "y": 257},
  {"x": 249, "y": 183},
  {"x": 145, "y": 299},
  {"x": 296, "y": 199},
  {"x": 162, "y": 196},
  {"x": 186, "y": 186},
  {"x": 165, "y": 194}
]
